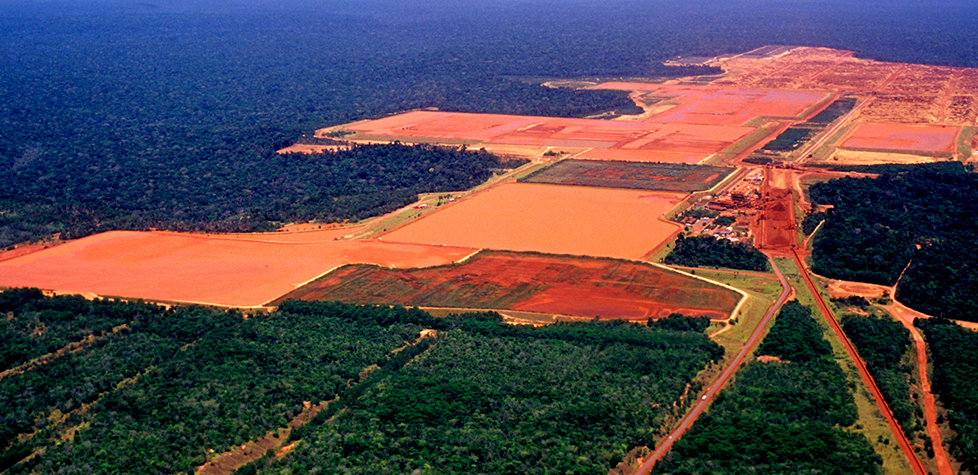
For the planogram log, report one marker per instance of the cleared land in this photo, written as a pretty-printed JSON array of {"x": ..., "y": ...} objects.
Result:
[
  {"x": 530, "y": 282},
  {"x": 552, "y": 219},
  {"x": 723, "y": 106},
  {"x": 674, "y": 177},
  {"x": 902, "y": 137},
  {"x": 201, "y": 269},
  {"x": 669, "y": 139}
]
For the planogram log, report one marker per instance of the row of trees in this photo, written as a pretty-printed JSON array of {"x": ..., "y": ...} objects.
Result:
[
  {"x": 703, "y": 251},
  {"x": 780, "y": 417},
  {"x": 885, "y": 345}
]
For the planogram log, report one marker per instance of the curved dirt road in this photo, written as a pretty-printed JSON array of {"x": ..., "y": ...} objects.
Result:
[
  {"x": 687, "y": 421},
  {"x": 906, "y": 316}
]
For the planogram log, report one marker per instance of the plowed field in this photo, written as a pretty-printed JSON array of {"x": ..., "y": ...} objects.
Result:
[
  {"x": 200, "y": 269},
  {"x": 531, "y": 282},
  {"x": 552, "y": 219},
  {"x": 631, "y": 175}
]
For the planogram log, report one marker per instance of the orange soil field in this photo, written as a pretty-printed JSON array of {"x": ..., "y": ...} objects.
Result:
[
  {"x": 902, "y": 137},
  {"x": 548, "y": 218},
  {"x": 531, "y": 282},
  {"x": 715, "y": 106},
  {"x": 621, "y": 140},
  {"x": 200, "y": 269}
]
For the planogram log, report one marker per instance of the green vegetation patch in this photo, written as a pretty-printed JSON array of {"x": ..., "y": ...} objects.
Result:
[
  {"x": 780, "y": 416},
  {"x": 876, "y": 226},
  {"x": 260, "y": 194},
  {"x": 491, "y": 398},
  {"x": 181, "y": 382},
  {"x": 34, "y": 325},
  {"x": 697, "y": 251},
  {"x": 954, "y": 354},
  {"x": 835, "y": 110},
  {"x": 790, "y": 139},
  {"x": 676, "y": 177}
]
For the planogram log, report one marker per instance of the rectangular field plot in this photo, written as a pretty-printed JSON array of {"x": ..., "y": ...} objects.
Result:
[
  {"x": 723, "y": 106},
  {"x": 674, "y": 177},
  {"x": 934, "y": 139},
  {"x": 561, "y": 285},
  {"x": 553, "y": 219},
  {"x": 200, "y": 269},
  {"x": 640, "y": 141}
]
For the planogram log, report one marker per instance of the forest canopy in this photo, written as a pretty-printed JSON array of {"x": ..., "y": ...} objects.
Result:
[
  {"x": 163, "y": 388},
  {"x": 782, "y": 416},
  {"x": 923, "y": 214}
]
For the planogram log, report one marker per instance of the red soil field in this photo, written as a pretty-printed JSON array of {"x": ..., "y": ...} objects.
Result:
[
  {"x": 902, "y": 137},
  {"x": 561, "y": 285},
  {"x": 643, "y": 141},
  {"x": 552, "y": 219},
  {"x": 716, "y": 106},
  {"x": 776, "y": 223},
  {"x": 201, "y": 269}
]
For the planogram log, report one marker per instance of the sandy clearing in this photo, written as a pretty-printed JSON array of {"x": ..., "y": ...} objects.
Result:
[
  {"x": 902, "y": 137},
  {"x": 551, "y": 219},
  {"x": 201, "y": 269}
]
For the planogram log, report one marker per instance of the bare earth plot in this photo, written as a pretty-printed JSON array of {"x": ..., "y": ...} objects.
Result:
[
  {"x": 608, "y": 139},
  {"x": 724, "y": 106},
  {"x": 933, "y": 139},
  {"x": 552, "y": 219},
  {"x": 675, "y": 177},
  {"x": 200, "y": 269},
  {"x": 560, "y": 285}
]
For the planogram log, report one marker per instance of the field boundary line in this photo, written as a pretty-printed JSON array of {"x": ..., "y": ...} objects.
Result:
[{"x": 743, "y": 295}]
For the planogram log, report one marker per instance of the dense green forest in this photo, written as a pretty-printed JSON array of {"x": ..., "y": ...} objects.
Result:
[
  {"x": 353, "y": 183},
  {"x": 921, "y": 216},
  {"x": 701, "y": 251},
  {"x": 159, "y": 393},
  {"x": 779, "y": 417},
  {"x": 954, "y": 355},
  {"x": 883, "y": 343},
  {"x": 118, "y": 114},
  {"x": 489, "y": 398}
]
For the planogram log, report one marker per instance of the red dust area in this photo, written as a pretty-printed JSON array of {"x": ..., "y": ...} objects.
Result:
[
  {"x": 561, "y": 285},
  {"x": 902, "y": 137},
  {"x": 552, "y": 219},
  {"x": 776, "y": 228},
  {"x": 716, "y": 106},
  {"x": 617, "y": 140},
  {"x": 199, "y": 269}
]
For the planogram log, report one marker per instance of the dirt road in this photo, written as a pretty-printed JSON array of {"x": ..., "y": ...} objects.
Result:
[
  {"x": 906, "y": 316},
  {"x": 687, "y": 421},
  {"x": 912, "y": 458}
]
